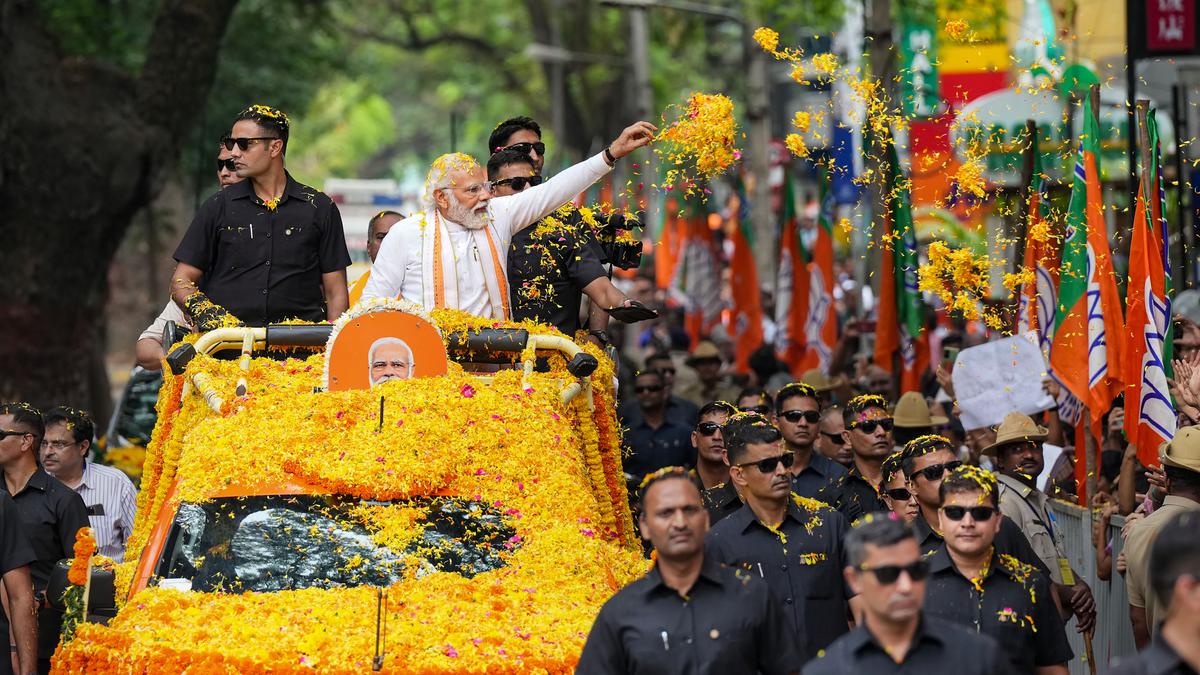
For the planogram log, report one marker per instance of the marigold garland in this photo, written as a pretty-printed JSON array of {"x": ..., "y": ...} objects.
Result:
[{"x": 552, "y": 470}]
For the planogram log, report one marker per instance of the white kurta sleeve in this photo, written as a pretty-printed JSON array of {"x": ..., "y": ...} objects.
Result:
[
  {"x": 515, "y": 212},
  {"x": 387, "y": 272}
]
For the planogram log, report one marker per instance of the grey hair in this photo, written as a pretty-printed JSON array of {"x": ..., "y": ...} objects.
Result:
[
  {"x": 385, "y": 341},
  {"x": 438, "y": 177}
]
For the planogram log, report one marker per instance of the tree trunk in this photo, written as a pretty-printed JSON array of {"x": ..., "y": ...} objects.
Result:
[{"x": 85, "y": 148}]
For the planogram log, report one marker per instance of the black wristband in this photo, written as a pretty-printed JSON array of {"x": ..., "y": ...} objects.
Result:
[{"x": 608, "y": 156}]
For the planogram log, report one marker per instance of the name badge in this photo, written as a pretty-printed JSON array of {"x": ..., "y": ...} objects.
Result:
[
  {"x": 95, "y": 510},
  {"x": 1068, "y": 576}
]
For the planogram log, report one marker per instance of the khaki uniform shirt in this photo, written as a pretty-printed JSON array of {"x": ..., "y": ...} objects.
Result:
[
  {"x": 1137, "y": 555},
  {"x": 1029, "y": 508}
]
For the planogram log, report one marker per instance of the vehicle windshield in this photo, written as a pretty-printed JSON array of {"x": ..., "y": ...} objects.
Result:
[{"x": 286, "y": 542}]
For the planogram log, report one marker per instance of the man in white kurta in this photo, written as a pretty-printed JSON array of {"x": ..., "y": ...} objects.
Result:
[{"x": 435, "y": 260}]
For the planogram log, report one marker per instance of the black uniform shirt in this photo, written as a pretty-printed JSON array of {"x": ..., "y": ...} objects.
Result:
[
  {"x": 804, "y": 572},
  {"x": 265, "y": 266},
  {"x": 720, "y": 501},
  {"x": 1157, "y": 659},
  {"x": 548, "y": 266},
  {"x": 1014, "y": 608},
  {"x": 728, "y": 623},
  {"x": 1008, "y": 540},
  {"x": 15, "y": 552},
  {"x": 938, "y": 648},
  {"x": 820, "y": 474},
  {"x": 854, "y": 496},
  {"x": 653, "y": 449}
]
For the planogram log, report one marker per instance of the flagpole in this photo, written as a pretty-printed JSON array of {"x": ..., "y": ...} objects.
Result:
[
  {"x": 1143, "y": 106},
  {"x": 1023, "y": 218}
]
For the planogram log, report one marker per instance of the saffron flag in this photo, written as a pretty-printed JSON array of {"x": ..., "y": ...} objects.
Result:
[
  {"x": 745, "y": 323},
  {"x": 792, "y": 286},
  {"x": 821, "y": 329},
  {"x": 1149, "y": 413},
  {"x": 1043, "y": 251},
  {"x": 666, "y": 249},
  {"x": 696, "y": 284},
  {"x": 901, "y": 316},
  {"x": 1085, "y": 354}
]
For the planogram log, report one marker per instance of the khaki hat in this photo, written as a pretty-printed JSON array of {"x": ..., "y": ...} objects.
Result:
[
  {"x": 1016, "y": 427},
  {"x": 706, "y": 350},
  {"x": 820, "y": 381},
  {"x": 1184, "y": 451},
  {"x": 912, "y": 411}
]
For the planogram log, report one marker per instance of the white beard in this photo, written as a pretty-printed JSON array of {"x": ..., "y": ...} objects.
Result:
[{"x": 476, "y": 219}]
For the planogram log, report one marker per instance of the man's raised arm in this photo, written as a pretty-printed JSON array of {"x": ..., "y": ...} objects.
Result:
[{"x": 521, "y": 210}]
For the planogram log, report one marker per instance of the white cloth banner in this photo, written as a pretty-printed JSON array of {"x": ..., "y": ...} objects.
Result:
[{"x": 996, "y": 378}]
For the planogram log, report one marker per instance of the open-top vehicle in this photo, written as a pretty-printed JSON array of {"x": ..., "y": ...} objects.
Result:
[{"x": 293, "y": 517}]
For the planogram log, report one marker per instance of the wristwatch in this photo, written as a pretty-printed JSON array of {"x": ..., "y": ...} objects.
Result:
[
  {"x": 608, "y": 156},
  {"x": 601, "y": 335}
]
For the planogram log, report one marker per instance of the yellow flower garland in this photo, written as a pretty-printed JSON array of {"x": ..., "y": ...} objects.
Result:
[{"x": 553, "y": 470}]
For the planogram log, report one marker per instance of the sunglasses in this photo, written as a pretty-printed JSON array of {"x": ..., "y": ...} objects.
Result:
[
  {"x": 707, "y": 428},
  {"x": 5, "y": 433},
  {"x": 794, "y": 416},
  {"x": 760, "y": 409},
  {"x": 889, "y": 574},
  {"x": 936, "y": 471},
  {"x": 869, "y": 426},
  {"x": 768, "y": 465},
  {"x": 648, "y": 388},
  {"x": 243, "y": 142},
  {"x": 898, "y": 494},
  {"x": 836, "y": 439},
  {"x": 979, "y": 514},
  {"x": 519, "y": 183},
  {"x": 539, "y": 148},
  {"x": 226, "y": 165}
]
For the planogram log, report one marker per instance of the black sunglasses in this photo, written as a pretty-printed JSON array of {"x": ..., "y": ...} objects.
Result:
[
  {"x": 768, "y": 465},
  {"x": 979, "y": 514},
  {"x": 226, "y": 165},
  {"x": 539, "y": 148},
  {"x": 760, "y": 409},
  {"x": 5, "y": 433},
  {"x": 645, "y": 388},
  {"x": 869, "y": 426},
  {"x": 936, "y": 471},
  {"x": 794, "y": 416},
  {"x": 707, "y": 428},
  {"x": 889, "y": 574},
  {"x": 244, "y": 142},
  {"x": 519, "y": 183},
  {"x": 898, "y": 494},
  {"x": 836, "y": 439}
]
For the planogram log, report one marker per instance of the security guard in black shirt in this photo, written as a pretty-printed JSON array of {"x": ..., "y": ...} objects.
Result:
[
  {"x": 689, "y": 614},
  {"x": 266, "y": 249},
  {"x": 973, "y": 585},
  {"x": 869, "y": 433},
  {"x": 51, "y": 513},
  {"x": 888, "y": 573},
  {"x": 792, "y": 542}
]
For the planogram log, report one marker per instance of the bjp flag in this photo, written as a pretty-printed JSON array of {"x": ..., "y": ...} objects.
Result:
[
  {"x": 745, "y": 319},
  {"x": 792, "y": 287}
]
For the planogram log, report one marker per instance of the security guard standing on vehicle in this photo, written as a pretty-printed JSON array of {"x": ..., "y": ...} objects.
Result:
[{"x": 689, "y": 614}]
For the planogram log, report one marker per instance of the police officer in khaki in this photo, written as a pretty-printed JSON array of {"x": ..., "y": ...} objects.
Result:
[{"x": 1017, "y": 454}]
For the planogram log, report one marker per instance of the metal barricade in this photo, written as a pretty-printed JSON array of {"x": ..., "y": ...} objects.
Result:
[{"x": 1114, "y": 634}]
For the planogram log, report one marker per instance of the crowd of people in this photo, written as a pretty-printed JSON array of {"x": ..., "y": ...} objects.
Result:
[{"x": 824, "y": 523}]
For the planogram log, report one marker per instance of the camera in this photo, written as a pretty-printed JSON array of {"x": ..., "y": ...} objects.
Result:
[{"x": 618, "y": 245}]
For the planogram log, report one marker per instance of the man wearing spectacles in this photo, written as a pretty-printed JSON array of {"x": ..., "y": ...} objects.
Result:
[
  {"x": 868, "y": 425},
  {"x": 551, "y": 265},
  {"x": 266, "y": 249},
  {"x": 794, "y": 543},
  {"x": 655, "y": 440},
  {"x": 974, "y": 585},
  {"x": 50, "y": 514},
  {"x": 455, "y": 252},
  {"x": 831, "y": 436},
  {"x": 798, "y": 415},
  {"x": 886, "y": 570},
  {"x": 148, "y": 350},
  {"x": 925, "y": 461},
  {"x": 1018, "y": 455},
  {"x": 108, "y": 494},
  {"x": 712, "y": 464}
]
